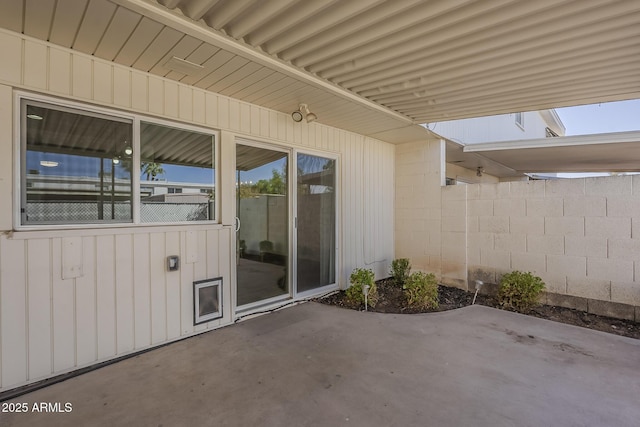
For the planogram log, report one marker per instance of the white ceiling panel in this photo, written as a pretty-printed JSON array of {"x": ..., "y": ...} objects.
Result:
[
  {"x": 255, "y": 78},
  {"x": 11, "y": 16},
  {"x": 269, "y": 86},
  {"x": 93, "y": 26},
  {"x": 144, "y": 34},
  {"x": 204, "y": 55},
  {"x": 237, "y": 76},
  {"x": 120, "y": 28},
  {"x": 183, "y": 49},
  {"x": 166, "y": 40},
  {"x": 37, "y": 18},
  {"x": 223, "y": 70},
  {"x": 66, "y": 21}
]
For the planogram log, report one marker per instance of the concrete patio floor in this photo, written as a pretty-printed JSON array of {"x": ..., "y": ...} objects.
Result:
[{"x": 316, "y": 365}]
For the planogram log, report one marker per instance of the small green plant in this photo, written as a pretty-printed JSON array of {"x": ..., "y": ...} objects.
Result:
[
  {"x": 361, "y": 277},
  {"x": 400, "y": 270},
  {"x": 421, "y": 290},
  {"x": 520, "y": 291}
]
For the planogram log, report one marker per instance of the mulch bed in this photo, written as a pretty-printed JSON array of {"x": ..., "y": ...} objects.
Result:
[{"x": 391, "y": 300}]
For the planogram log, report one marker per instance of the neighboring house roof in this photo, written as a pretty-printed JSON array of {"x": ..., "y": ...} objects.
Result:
[
  {"x": 553, "y": 121},
  {"x": 373, "y": 67}
]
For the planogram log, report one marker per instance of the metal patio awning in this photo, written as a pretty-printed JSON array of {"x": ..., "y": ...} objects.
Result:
[{"x": 610, "y": 152}]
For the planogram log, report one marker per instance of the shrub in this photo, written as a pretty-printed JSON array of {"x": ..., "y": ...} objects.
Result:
[
  {"x": 360, "y": 278},
  {"x": 400, "y": 270},
  {"x": 519, "y": 290},
  {"x": 421, "y": 290}
]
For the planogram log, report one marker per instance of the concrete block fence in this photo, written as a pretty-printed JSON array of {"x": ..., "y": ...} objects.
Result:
[{"x": 581, "y": 236}]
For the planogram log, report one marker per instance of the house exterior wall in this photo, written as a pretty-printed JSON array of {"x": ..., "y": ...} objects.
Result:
[
  {"x": 73, "y": 298},
  {"x": 492, "y": 128}
]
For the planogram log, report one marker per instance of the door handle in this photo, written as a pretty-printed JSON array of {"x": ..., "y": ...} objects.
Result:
[{"x": 237, "y": 224}]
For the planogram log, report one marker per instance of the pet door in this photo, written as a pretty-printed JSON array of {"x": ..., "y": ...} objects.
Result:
[{"x": 207, "y": 299}]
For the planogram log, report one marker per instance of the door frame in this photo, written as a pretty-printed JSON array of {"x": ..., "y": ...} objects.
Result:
[{"x": 292, "y": 238}]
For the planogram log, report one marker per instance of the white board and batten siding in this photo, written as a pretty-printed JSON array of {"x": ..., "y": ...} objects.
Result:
[{"x": 72, "y": 298}]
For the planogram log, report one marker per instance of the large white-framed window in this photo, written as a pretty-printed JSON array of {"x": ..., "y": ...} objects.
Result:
[{"x": 80, "y": 165}]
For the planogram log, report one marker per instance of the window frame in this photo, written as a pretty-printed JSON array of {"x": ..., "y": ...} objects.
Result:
[
  {"x": 19, "y": 155},
  {"x": 520, "y": 122}
]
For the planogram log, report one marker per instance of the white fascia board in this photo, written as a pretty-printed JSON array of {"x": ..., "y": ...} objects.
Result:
[
  {"x": 561, "y": 141},
  {"x": 553, "y": 121}
]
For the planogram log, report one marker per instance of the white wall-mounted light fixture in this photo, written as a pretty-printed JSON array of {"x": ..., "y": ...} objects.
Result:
[
  {"x": 297, "y": 116},
  {"x": 303, "y": 112}
]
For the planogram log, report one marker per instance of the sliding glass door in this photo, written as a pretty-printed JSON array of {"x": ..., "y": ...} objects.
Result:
[
  {"x": 286, "y": 245},
  {"x": 262, "y": 209},
  {"x": 316, "y": 222}
]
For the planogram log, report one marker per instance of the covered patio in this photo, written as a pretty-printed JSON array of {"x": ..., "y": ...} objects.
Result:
[
  {"x": 316, "y": 365},
  {"x": 367, "y": 75}
]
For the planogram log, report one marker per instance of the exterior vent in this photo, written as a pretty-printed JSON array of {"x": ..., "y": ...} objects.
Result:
[{"x": 182, "y": 66}]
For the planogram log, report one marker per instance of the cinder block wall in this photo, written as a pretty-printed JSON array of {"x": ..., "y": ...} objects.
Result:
[
  {"x": 581, "y": 236},
  {"x": 454, "y": 235},
  {"x": 419, "y": 172}
]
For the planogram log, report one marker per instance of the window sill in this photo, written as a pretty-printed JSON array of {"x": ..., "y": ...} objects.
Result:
[{"x": 50, "y": 231}]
